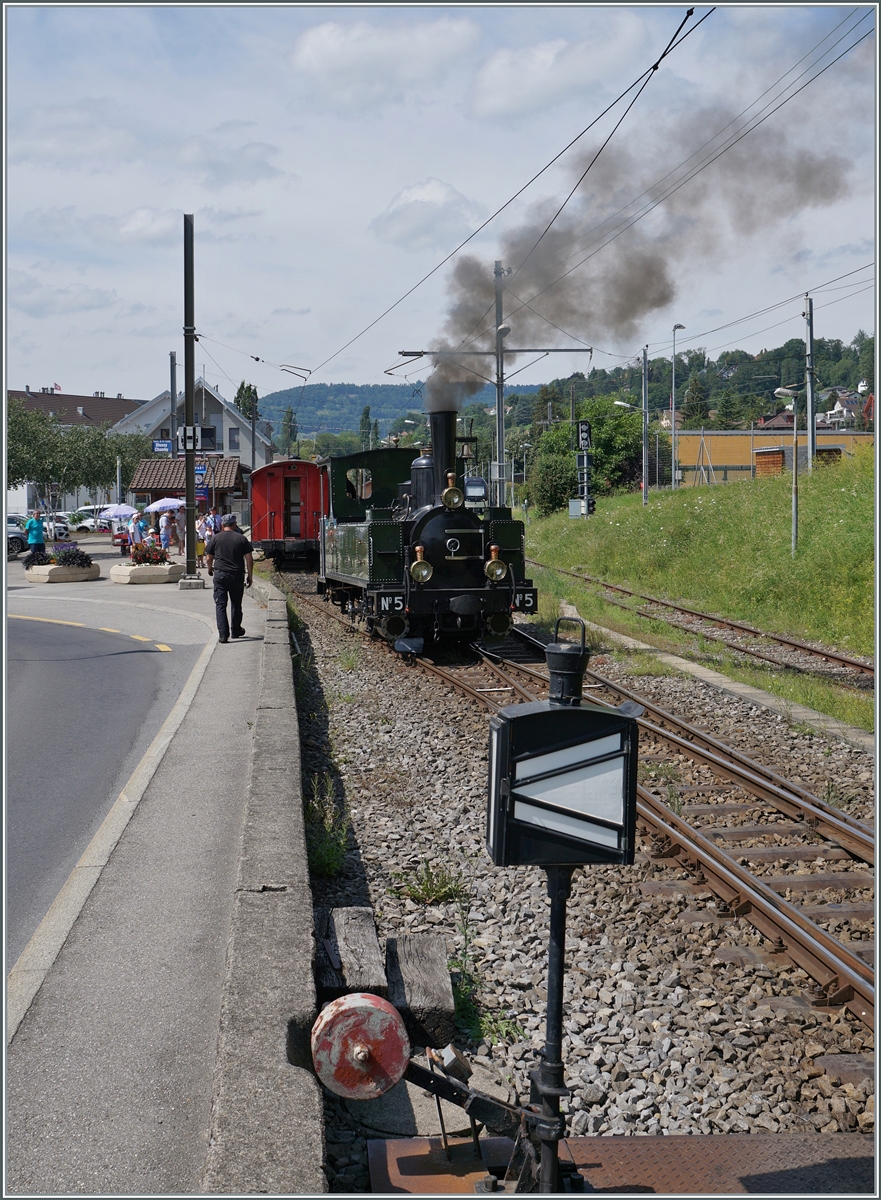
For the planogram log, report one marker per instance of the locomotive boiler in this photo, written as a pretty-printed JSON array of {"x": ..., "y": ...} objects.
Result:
[{"x": 413, "y": 547}]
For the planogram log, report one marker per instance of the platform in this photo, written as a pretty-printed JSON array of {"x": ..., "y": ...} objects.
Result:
[{"x": 720, "y": 1164}]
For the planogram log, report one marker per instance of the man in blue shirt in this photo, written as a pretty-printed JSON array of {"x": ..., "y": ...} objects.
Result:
[{"x": 36, "y": 534}]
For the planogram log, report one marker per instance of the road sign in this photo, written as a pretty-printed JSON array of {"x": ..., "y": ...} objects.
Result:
[
  {"x": 201, "y": 471},
  {"x": 201, "y": 493},
  {"x": 162, "y": 445}
]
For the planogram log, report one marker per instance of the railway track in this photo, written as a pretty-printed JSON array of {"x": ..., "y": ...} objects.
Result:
[
  {"x": 770, "y": 851},
  {"x": 863, "y": 672}
]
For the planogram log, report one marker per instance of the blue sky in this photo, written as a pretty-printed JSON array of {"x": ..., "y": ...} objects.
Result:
[{"x": 333, "y": 156}]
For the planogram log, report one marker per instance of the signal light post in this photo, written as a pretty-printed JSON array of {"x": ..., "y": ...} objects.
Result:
[{"x": 562, "y": 793}]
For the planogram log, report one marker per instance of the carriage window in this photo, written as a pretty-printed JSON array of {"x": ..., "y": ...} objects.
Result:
[{"x": 359, "y": 484}]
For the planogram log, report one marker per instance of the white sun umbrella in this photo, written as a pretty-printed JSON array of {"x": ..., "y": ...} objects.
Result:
[
  {"x": 117, "y": 512},
  {"x": 166, "y": 503}
]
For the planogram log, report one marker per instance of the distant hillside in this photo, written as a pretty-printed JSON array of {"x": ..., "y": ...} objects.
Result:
[{"x": 337, "y": 407}]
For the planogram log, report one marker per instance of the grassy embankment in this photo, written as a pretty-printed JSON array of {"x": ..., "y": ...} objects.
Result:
[{"x": 727, "y": 550}]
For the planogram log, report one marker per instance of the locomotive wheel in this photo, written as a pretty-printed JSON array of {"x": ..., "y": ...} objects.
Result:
[{"x": 360, "y": 1047}]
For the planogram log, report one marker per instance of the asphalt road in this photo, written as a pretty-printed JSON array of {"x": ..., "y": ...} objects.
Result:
[{"x": 82, "y": 706}]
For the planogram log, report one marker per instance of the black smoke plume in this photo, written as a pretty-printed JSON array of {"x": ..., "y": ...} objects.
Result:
[{"x": 596, "y": 275}]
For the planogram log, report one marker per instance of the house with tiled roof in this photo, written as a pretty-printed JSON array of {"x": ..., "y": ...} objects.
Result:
[
  {"x": 96, "y": 409},
  {"x": 219, "y": 481},
  {"x": 231, "y": 429}
]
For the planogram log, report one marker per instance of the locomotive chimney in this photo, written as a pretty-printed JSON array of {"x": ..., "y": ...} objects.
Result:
[{"x": 442, "y": 426}]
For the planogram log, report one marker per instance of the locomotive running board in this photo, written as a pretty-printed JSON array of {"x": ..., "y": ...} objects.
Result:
[{"x": 702, "y": 1164}]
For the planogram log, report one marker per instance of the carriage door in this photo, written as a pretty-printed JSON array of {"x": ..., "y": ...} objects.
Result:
[{"x": 292, "y": 508}]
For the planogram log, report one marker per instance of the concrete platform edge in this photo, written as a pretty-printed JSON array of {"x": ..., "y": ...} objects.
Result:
[
  {"x": 267, "y": 1124},
  {"x": 820, "y": 722}
]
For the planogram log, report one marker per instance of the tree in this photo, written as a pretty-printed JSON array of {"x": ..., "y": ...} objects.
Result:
[
  {"x": 866, "y": 361},
  {"x": 288, "y": 430},
  {"x": 376, "y": 438},
  {"x": 728, "y": 411},
  {"x": 33, "y": 446},
  {"x": 131, "y": 448},
  {"x": 364, "y": 427},
  {"x": 695, "y": 406},
  {"x": 553, "y": 482},
  {"x": 246, "y": 399}
]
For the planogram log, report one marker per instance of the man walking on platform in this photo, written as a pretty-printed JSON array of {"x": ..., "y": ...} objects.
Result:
[{"x": 230, "y": 560}]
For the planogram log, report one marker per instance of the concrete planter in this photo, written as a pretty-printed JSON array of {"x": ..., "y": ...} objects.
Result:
[
  {"x": 126, "y": 572},
  {"x": 56, "y": 574}
]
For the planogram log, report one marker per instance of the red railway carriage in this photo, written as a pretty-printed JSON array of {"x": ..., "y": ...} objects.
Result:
[{"x": 288, "y": 498}]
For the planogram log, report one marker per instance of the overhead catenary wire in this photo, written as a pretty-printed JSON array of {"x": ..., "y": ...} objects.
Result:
[
  {"x": 507, "y": 204},
  {"x": 702, "y": 167},
  {"x": 648, "y": 191},
  {"x": 732, "y": 141},
  {"x": 611, "y": 134}
]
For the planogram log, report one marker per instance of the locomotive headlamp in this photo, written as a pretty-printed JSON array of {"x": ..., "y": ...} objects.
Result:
[
  {"x": 421, "y": 571},
  {"x": 452, "y": 497},
  {"x": 495, "y": 570}
]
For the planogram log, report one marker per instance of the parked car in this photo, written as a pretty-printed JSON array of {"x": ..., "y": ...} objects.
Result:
[
  {"x": 16, "y": 537},
  {"x": 57, "y": 529},
  {"x": 88, "y": 514}
]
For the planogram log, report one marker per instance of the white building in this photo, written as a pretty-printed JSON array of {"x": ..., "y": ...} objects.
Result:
[{"x": 232, "y": 430}]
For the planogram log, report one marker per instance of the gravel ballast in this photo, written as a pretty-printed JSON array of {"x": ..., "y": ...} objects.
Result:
[{"x": 664, "y": 1034}]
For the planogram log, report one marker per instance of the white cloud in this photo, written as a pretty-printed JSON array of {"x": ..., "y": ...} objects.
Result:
[
  {"x": 352, "y": 69},
  {"x": 95, "y": 135},
  {"x": 427, "y": 215},
  {"x": 28, "y": 294},
  {"x": 220, "y": 167},
  {"x": 73, "y": 136},
  {"x": 142, "y": 226},
  {"x": 519, "y": 82}
]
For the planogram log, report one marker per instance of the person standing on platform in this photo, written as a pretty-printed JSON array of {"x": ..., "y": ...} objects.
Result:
[
  {"x": 166, "y": 523},
  {"x": 36, "y": 533},
  {"x": 135, "y": 533},
  {"x": 229, "y": 557},
  {"x": 181, "y": 523}
]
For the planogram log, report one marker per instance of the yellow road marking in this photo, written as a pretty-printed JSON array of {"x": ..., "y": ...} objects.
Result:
[
  {"x": 48, "y": 620},
  {"x": 79, "y": 624}
]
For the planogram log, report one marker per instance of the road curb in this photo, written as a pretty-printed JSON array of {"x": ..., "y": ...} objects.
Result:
[
  {"x": 267, "y": 1123},
  {"x": 816, "y": 721}
]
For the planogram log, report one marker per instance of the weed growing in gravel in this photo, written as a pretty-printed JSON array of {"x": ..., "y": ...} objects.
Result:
[
  {"x": 350, "y": 658},
  {"x": 835, "y": 797},
  {"x": 327, "y": 827},
  {"x": 470, "y": 1012},
  {"x": 665, "y": 772},
  {"x": 674, "y": 800},
  {"x": 430, "y": 885},
  {"x": 304, "y": 673},
  {"x": 500, "y": 1029}
]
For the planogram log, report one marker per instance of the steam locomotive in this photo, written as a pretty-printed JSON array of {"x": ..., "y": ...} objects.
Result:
[{"x": 414, "y": 548}]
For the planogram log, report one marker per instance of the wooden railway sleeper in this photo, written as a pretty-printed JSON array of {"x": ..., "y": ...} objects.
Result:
[
  {"x": 806, "y": 800},
  {"x": 809, "y": 947},
  {"x": 862, "y": 846}
]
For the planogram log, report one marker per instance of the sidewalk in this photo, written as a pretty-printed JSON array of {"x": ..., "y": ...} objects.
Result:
[{"x": 173, "y": 972}]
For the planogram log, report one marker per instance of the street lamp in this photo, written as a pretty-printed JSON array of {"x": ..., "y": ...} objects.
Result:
[
  {"x": 787, "y": 393},
  {"x": 637, "y": 408},
  {"x": 673, "y": 410},
  {"x": 526, "y": 446}
]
